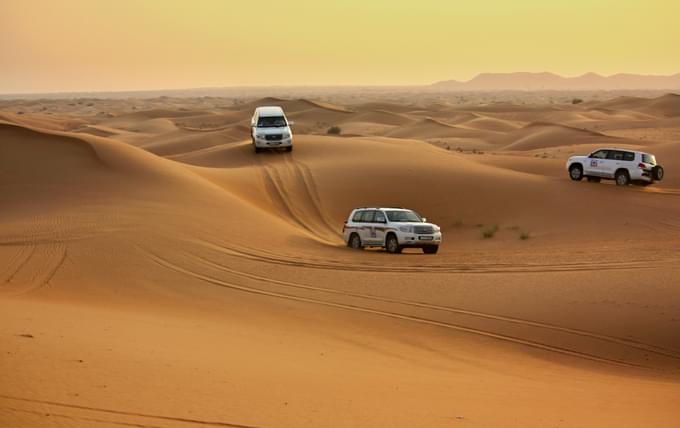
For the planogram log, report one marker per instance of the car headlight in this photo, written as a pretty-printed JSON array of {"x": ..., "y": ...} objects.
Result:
[
  {"x": 286, "y": 135},
  {"x": 259, "y": 135},
  {"x": 436, "y": 228},
  {"x": 406, "y": 229}
]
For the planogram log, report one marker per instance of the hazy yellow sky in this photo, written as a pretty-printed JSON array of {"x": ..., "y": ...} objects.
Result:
[{"x": 78, "y": 45}]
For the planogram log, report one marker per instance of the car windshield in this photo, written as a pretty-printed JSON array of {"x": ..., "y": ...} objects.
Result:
[
  {"x": 271, "y": 122},
  {"x": 403, "y": 216},
  {"x": 650, "y": 159}
]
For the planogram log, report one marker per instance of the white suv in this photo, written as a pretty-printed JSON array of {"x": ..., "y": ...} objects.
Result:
[
  {"x": 269, "y": 129},
  {"x": 624, "y": 166},
  {"x": 391, "y": 228}
]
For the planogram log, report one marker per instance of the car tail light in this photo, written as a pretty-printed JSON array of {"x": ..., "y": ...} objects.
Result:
[{"x": 641, "y": 166}]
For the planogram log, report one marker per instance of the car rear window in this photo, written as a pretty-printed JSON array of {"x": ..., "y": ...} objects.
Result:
[
  {"x": 648, "y": 159},
  {"x": 368, "y": 216},
  {"x": 357, "y": 216}
]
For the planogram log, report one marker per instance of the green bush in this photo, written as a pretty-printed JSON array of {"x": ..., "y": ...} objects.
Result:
[
  {"x": 524, "y": 236},
  {"x": 489, "y": 232},
  {"x": 334, "y": 130}
]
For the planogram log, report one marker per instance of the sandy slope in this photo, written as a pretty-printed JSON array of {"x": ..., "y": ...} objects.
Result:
[{"x": 159, "y": 274}]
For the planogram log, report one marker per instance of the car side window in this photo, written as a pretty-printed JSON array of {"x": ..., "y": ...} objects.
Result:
[
  {"x": 368, "y": 216},
  {"x": 628, "y": 156},
  {"x": 600, "y": 154},
  {"x": 357, "y": 216},
  {"x": 380, "y": 217},
  {"x": 615, "y": 155}
]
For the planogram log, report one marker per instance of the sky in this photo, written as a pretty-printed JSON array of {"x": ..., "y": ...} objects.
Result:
[{"x": 101, "y": 45}]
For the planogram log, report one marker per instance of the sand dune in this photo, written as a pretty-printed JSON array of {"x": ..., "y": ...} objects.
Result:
[
  {"x": 540, "y": 135},
  {"x": 154, "y": 271},
  {"x": 667, "y": 105}
]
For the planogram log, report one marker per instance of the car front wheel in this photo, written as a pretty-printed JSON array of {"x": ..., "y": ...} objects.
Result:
[
  {"x": 392, "y": 245},
  {"x": 576, "y": 172}
]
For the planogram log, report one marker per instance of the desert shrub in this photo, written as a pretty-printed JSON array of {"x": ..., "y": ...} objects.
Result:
[
  {"x": 489, "y": 232},
  {"x": 576, "y": 101},
  {"x": 334, "y": 130},
  {"x": 524, "y": 236}
]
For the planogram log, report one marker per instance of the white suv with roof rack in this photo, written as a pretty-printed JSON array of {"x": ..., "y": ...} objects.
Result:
[
  {"x": 624, "y": 166},
  {"x": 270, "y": 129},
  {"x": 391, "y": 228}
]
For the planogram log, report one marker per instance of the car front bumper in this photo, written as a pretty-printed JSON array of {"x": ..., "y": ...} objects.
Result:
[
  {"x": 264, "y": 144},
  {"x": 414, "y": 239}
]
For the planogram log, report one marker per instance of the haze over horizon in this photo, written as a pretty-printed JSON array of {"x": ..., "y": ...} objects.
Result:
[{"x": 76, "y": 45}]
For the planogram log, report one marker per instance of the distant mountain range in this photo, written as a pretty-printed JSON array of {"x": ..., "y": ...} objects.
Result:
[{"x": 525, "y": 81}]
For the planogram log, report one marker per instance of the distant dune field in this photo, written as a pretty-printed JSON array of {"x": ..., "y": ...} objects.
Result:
[{"x": 155, "y": 272}]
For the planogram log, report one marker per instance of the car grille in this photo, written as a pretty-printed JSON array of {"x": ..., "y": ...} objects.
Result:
[
  {"x": 273, "y": 137},
  {"x": 423, "y": 230}
]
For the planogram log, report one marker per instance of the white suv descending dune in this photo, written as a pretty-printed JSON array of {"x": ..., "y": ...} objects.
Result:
[
  {"x": 624, "y": 166},
  {"x": 270, "y": 129},
  {"x": 391, "y": 228}
]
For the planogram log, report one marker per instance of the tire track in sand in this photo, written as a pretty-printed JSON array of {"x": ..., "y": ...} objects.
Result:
[
  {"x": 476, "y": 268},
  {"x": 415, "y": 319},
  {"x": 283, "y": 185},
  {"x": 114, "y": 411},
  {"x": 523, "y": 322}
]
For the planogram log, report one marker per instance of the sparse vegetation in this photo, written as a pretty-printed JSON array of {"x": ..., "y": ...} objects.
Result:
[
  {"x": 334, "y": 130},
  {"x": 576, "y": 101},
  {"x": 524, "y": 235},
  {"x": 489, "y": 231}
]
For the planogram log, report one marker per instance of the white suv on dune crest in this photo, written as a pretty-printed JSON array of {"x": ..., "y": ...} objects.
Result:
[
  {"x": 391, "y": 228},
  {"x": 270, "y": 129},
  {"x": 624, "y": 166}
]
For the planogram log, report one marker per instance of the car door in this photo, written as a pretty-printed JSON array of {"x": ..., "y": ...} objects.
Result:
[
  {"x": 379, "y": 226},
  {"x": 597, "y": 164},
  {"x": 365, "y": 227},
  {"x": 629, "y": 161},
  {"x": 614, "y": 161}
]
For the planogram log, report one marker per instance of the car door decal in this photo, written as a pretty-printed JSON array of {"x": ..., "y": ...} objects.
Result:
[{"x": 593, "y": 163}]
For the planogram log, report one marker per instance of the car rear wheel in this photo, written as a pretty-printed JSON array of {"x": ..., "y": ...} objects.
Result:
[
  {"x": 392, "y": 245},
  {"x": 576, "y": 172},
  {"x": 355, "y": 241},
  {"x": 657, "y": 173},
  {"x": 432, "y": 249},
  {"x": 622, "y": 178}
]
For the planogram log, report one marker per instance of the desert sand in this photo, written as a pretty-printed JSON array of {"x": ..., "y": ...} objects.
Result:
[{"x": 155, "y": 272}]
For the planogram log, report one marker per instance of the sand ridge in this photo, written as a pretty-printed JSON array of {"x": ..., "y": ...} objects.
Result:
[{"x": 156, "y": 272}]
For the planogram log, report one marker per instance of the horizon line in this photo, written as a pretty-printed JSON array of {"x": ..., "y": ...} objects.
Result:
[{"x": 341, "y": 85}]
